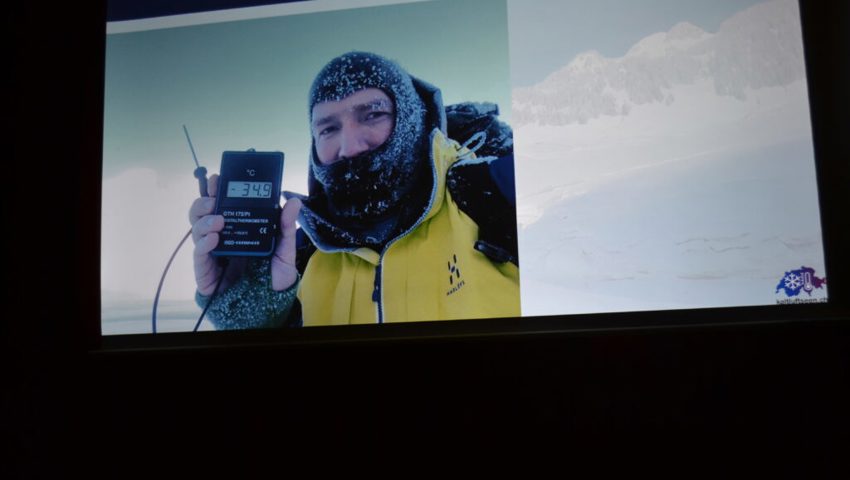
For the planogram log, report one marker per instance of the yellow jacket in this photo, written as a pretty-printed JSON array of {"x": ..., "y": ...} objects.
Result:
[{"x": 430, "y": 272}]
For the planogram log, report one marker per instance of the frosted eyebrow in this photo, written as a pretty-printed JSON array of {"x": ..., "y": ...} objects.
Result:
[{"x": 375, "y": 105}]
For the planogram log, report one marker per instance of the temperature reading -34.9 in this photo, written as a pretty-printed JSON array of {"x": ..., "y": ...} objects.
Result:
[{"x": 249, "y": 189}]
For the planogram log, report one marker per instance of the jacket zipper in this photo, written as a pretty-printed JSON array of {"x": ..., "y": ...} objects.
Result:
[{"x": 376, "y": 293}]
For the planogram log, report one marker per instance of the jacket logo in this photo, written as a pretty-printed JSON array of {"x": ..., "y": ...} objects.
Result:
[{"x": 455, "y": 282}]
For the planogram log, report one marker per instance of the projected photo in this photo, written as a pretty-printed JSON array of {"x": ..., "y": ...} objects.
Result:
[
  {"x": 398, "y": 164},
  {"x": 448, "y": 160},
  {"x": 664, "y": 156}
]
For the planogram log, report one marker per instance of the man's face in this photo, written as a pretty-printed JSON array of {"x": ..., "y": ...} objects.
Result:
[{"x": 358, "y": 123}]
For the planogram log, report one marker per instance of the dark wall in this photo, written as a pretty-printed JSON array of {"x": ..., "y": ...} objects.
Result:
[{"x": 783, "y": 386}]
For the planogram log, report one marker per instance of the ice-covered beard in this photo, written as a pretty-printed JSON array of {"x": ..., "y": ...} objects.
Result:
[{"x": 372, "y": 185}]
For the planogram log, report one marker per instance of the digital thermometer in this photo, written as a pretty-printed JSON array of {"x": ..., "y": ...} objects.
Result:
[{"x": 249, "y": 200}]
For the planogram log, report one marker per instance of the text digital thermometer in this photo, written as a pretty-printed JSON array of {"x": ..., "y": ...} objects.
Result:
[{"x": 249, "y": 200}]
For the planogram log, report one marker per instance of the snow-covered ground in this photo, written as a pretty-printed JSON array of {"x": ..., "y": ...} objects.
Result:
[
  {"x": 128, "y": 315},
  {"x": 718, "y": 229},
  {"x": 679, "y": 181}
]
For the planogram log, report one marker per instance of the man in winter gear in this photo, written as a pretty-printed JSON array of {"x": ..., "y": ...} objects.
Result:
[
  {"x": 357, "y": 196},
  {"x": 384, "y": 237}
]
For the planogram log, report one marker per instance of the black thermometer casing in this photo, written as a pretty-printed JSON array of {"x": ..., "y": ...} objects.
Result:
[{"x": 248, "y": 198}]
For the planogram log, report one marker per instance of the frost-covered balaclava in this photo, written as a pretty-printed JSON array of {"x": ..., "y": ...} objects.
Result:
[{"x": 372, "y": 185}]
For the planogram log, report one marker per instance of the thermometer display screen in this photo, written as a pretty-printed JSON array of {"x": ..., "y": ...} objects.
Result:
[{"x": 249, "y": 189}]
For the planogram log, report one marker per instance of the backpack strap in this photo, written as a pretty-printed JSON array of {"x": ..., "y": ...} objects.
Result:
[
  {"x": 483, "y": 187},
  {"x": 484, "y": 191}
]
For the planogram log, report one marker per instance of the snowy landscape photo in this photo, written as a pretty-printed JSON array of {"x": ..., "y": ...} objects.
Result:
[{"x": 676, "y": 173}]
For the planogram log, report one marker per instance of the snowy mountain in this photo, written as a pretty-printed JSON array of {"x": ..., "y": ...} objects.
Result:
[
  {"x": 680, "y": 175},
  {"x": 758, "y": 47}
]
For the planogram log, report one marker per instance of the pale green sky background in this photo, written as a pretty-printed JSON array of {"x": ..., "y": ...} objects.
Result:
[{"x": 240, "y": 85}]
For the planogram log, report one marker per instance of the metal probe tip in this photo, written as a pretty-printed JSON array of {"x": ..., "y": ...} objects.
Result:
[{"x": 192, "y": 148}]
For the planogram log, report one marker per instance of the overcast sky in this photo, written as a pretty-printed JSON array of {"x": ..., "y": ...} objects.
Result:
[{"x": 546, "y": 34}]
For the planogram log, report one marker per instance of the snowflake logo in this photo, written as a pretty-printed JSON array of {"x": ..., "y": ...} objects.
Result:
[
  {"x": 793, "y": 281},
  {"x": 800, "y": 280}
]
